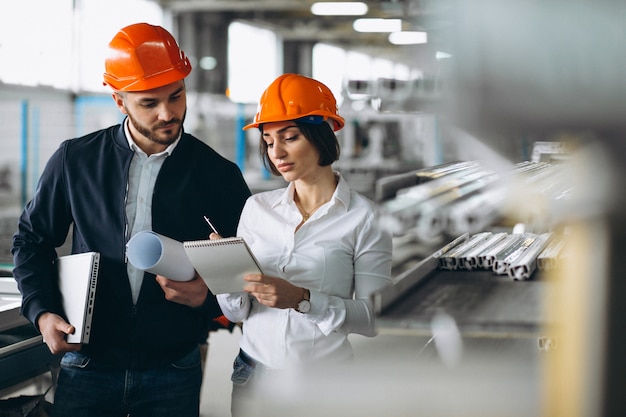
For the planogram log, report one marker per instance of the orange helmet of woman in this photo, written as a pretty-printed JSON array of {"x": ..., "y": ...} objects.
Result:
[
  {"x": 296, "y": 97},
  {"x": 142, "y": 57}
]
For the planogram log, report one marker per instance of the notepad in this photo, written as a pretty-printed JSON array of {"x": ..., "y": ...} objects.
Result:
[
  {"x": 222, "y": 263},
  {"x": 78, "y": 277}
]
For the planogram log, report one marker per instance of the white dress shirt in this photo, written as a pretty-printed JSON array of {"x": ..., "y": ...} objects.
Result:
[
  {"x": 142, "y": 176},
  {"x": 340, "y": 254}
]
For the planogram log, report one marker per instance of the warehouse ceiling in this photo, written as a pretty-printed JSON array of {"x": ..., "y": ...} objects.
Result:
[{"x": 293, "y": 20}]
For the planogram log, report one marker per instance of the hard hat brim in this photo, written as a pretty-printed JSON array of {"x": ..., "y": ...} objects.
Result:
[{"x": 338, "y": 121}]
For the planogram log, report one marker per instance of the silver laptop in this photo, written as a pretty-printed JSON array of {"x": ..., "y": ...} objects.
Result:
[{"x": 78, "y": 276}]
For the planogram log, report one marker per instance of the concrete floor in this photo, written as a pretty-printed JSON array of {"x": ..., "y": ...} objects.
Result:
[
  {"x": 224, "y": 346},
  {"x": 397, "y": 375}
]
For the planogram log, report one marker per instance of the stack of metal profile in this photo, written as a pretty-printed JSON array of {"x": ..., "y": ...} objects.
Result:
[
  {"x": 467, "y": 197},
  {"x": 481, "y": 303},
  {"x": 420, "y": 207},
  {"x": 516, "y": 255}
]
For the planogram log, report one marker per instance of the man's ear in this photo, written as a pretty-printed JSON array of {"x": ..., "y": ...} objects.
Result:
[{"x": 119, "y": 102}]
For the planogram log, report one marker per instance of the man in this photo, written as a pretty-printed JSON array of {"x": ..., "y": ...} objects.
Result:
[{"x": 144, "y": 174}]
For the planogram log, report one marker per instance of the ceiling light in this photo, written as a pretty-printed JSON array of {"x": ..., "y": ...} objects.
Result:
[
  {"x": 377, "y": 25},
  {"x": 408, "y": 38},
  {"x": 339, "y": 8}
]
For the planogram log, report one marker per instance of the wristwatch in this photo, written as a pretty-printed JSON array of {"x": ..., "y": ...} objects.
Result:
[{"x": 305, "y": 305}]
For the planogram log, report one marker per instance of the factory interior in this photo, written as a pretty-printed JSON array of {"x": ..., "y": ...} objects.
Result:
[{"x": 493, "y": 147}]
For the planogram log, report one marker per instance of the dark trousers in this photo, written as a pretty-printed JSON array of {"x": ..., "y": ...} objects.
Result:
[{"x": 88, "y": 389}]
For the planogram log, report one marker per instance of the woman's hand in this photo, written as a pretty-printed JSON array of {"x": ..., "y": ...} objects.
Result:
[{"x": 273, "y": 292}]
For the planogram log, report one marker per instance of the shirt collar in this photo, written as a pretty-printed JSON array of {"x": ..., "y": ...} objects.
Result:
[
  {"x": 133, "y": 146},
  {"x": 341, "y": 194}
]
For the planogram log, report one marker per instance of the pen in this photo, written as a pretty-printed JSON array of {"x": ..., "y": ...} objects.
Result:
[{"x": 211, "y": 225}]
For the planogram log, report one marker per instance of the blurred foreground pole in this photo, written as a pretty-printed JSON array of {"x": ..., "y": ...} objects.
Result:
[{"x": 547, "y": 69}]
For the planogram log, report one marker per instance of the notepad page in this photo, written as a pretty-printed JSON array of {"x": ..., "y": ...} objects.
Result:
[{"x": 222, "y": 263}]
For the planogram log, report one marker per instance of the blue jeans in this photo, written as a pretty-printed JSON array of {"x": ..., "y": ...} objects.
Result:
[
  {"x": 243, "y": 399},
  {"x": 86, "y": 388}
]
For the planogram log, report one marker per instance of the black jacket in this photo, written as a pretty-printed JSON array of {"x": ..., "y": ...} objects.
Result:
[{"x": 83, "y": 189}]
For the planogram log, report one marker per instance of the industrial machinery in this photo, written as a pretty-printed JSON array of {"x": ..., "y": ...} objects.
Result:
[{"x": 23, "y": 355}]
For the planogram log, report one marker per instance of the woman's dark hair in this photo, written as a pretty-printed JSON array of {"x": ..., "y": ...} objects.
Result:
[{"x": 321, "y": 137}]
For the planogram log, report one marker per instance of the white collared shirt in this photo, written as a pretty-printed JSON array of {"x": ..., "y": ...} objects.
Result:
[
  {"x": 340, "y": 254},
  {"x": 142, "y": 176}
]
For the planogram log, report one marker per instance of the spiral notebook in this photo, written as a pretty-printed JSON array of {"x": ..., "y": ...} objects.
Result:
[
  {"x": 222, "y": 263},
  {"x": 78, "y": 276}
]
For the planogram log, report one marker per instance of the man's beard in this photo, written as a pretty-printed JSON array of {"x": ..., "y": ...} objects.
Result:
[{"x": 150, "y": 133}]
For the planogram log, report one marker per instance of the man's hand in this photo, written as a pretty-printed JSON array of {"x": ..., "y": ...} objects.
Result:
[
  {"x": 53, "y": 329},
  {"x": 191, "y": 293}
]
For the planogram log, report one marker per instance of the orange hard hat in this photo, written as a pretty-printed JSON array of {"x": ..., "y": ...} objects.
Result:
[
  {"x": 143, "y": 57},
  {"x": 296, "y": 97}
]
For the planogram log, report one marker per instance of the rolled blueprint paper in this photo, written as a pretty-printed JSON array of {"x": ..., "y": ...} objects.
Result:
[{"x": 160, "y": 255}]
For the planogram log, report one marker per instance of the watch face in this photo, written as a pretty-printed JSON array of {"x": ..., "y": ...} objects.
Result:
[{"x": 304, "y": 306}]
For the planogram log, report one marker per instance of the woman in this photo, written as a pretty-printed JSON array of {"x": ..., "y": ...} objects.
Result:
[{"x": 318, "y": 243}]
